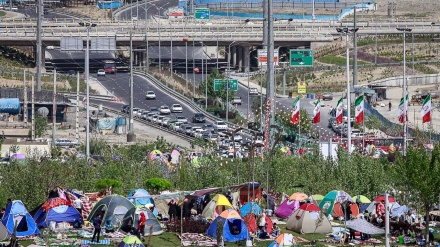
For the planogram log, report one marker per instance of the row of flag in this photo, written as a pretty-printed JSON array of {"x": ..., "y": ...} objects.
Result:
[{"x": 359, "y": 110}]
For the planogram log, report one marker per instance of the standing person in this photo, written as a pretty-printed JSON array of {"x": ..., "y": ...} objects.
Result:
[
  {"x": 141, "y": 225},
  {"x": 389, "y": 106},
  {"x": 199, "y": 204},
  {"x": 187, "y": 206},
  {"x": 97, "y": 224},
  {"x": 172, "y": 210},
  {"x": 78, "y": 204}
]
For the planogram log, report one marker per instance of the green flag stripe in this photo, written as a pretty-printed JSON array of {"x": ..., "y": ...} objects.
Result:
[
  {"x": 427, "y": 99},
  {"x": 359, "y": 100}
]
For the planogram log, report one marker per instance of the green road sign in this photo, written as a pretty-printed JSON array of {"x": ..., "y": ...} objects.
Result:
[
  {"x": 220, "y": 84},
  {"x": 202, "y": 14},
  {"x": 301, "y": 57}
]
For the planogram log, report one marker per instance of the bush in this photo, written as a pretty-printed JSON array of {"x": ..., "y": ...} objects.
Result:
[
  {"x": 190, "y": 226},
  {"x": 106, "y": 183},
  {"x": 157, "y": 184}
]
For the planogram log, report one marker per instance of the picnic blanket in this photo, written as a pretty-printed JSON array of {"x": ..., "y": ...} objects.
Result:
[
  {"x": 101, "y": 242},
  {"x": 115, "y": 235},
  {"x": 190, "y": 239}
]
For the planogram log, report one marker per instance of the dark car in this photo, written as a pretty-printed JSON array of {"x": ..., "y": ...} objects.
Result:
[
  {"x": 327, "y": 96},
  {"x": 254, "y": 126},
  {"x": 198, "y": 118}
]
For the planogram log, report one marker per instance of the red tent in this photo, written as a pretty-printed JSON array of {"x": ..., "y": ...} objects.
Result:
[
  {"x": 251, "y": 223},
  {"x": 382, "y": 198}
]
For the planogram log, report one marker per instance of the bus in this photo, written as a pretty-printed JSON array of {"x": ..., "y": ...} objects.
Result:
[{"x": 110, "y": 67}]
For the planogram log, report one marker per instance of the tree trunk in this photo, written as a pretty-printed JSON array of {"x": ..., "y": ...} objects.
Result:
[{"x": 427, "y": 224}]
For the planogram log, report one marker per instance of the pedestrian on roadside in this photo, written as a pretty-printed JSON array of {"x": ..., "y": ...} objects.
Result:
[{"x": 389, "y": 106}]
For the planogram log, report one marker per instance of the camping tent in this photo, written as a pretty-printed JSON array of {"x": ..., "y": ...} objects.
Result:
[
  {"x": 285, "y": 239},
  {"x": 217, "y": 205},
  {"x": 57, "y": 210},
  {"x": 250, "y": 207},
  {"x": 16, "y": 213},
  {"x": 333, "y": 197},
  {"x": 286, "y": 208},
  {"x": 304, "y": 220},
  {"x": 339, "y": 210},
  {"x": 251, "y": 223},
  {"x": 113, "y": 207},
  {"x": 131, "y": 241},
  {"x": 231, "y": 220},
  {"x": 141, "y": 197},
  {"x": 382, "y": 198},
  {"x": 133, "y": 215}
]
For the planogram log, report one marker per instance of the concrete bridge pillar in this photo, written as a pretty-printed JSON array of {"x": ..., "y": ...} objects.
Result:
[
  {"x": 240, "y": 57},
  {"x": 246, "y": 59},
  {"x": 43, "y": 57},
  {"x": 233, "y": 52}
]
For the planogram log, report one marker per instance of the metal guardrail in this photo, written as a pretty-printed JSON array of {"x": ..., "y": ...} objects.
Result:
[
  {"x": 92, "y": 96},
  {"x": 150, "y": 124},
  {"x": 187, "y": 101}
]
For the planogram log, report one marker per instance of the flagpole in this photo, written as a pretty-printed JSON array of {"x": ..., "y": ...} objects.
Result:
[{"x": 363, "y": 122}]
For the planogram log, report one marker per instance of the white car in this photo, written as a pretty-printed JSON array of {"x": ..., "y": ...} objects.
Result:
[
  {"x": 101, "y": 72},
  {"x": 177, "y": 125},
  {"x": 182, "y": 119},
  {"x": 159, "y": 119},
  {"x": 165, "y": 121},
  {"x": 176, "y": 108},
  {"x": 238, "y": 138},
  {"x": 135, "y": 111},
  {"x": 220, "y": 125},
  {"x": 253, "y": 91},
  {"x": 164, "y": 110},
  {"x": 150, "y": 95}
]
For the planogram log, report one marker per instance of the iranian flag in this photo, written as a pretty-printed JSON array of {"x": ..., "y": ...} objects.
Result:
[
  {"x": 359, "y": 109},
  {"x": 426, "y": 109},
  {"x": 339, "y": 111},
  {"x": 402, "y": 108},
  {"x": 317, "y": 112},
  {"x": 294, "y": 119}
]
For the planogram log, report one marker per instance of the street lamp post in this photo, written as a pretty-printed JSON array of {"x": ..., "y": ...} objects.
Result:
[
  {"x": 346, "y": 31},
  {"x": 227, "y": 81},
  {"x": 86, "y": 75},
  {"x": 405, "y": 123},
  {"x": 194, "y": 73}
]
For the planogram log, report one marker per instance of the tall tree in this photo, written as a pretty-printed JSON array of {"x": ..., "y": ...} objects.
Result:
[
  {"x": 212, "y": 94},
  {"x": 417, "y": 177}
]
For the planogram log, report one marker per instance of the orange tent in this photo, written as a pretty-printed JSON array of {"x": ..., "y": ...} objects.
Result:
[{"x": 339, "y": 212}]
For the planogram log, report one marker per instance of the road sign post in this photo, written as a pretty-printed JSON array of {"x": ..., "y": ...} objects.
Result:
[
  {"x": 202, "y": 14},
  {"x": 220, "y": 84},
  {"x": 301, "y": 58}
]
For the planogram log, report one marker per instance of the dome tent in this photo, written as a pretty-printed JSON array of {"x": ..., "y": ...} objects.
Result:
[
  {"x": 57, "y": 210},
  {"x": 16, "y": 212},
  {"x": 231, "y": 219},
  {"x": 216, "y": 206},
  {"x": 334, "y": 196},
  {"x": 304, "y": 220},
  {"x": 140, "y": 198},
  {"x": 133, "y": 216},
  {"x": 113, "y": 207}
]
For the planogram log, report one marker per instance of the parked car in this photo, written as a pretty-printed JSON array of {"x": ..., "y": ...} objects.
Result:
[
  {"x": 176, "y": 108},
  {"x": 182, "y": 119},
  {"x": 198, "y": 118},
  {"x": 164, "y": 110},
  {"x": 327, "y": 96},
  {"x": 220, "y": 125},
  {"x": 150, "y": 95},
  {"x": 101, "y": 72},
  {"x": 65, "y": 143},
  {"x": 253, "y": 91}
]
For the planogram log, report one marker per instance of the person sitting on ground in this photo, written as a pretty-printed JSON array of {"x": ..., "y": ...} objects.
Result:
[
  {"x": 78, "y": 223},
  {"x": 109, "y": 226},
  {"x": 263, "y": 233},
  {"x": 275, "y": 230}
]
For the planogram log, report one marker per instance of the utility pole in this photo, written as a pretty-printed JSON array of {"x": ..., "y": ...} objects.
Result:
[
  {"x": 131, "y": 137},
  {"x": 354, "y": 51},
  {"x": 25, "y": 100},
  {"x": 313, "y": 9},
  {"x": 54, "y": 106},
  {"x": 265, "y": 19},
  {"x": 86, "y": 72},
  {"x": 270, "y": 89},
  {"x": 284, "y": 78},
  {"x": 33, "y": 110},
  {"x": 39, "y": 42},
  {"x": 77, "y": 108}
]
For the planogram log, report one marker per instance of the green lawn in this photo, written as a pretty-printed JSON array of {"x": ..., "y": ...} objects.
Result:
[
  {"x": 337, "y": 60},
  {"x": 2, "y": 13}
]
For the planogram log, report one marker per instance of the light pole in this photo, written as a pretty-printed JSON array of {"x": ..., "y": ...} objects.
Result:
[
  {"x": 346, "y": 31},
  {"x": 227, "y": 80},
  {"x": 405, "y": 123},
  {"x": 185, "y": 39},
  {"x": 206, "y": 84},
  {"x": 131, "y": 137},
  {"x": 171, "y": 62},
  {"x": 194, "y": 73},
  {"x": 86, "y": 75}
]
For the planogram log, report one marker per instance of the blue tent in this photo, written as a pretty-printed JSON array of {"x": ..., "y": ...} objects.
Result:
[
  {"x": 16, "y": 213},
  {"x": 250, "y": 207},
  {"x": 230, "y": 221},
  {"x": 57, "y": 210},
  {"x": 140, "y": 198}
]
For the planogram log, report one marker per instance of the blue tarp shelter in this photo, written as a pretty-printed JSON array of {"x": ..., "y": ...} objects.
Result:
[{"x": 16, "y": 213}]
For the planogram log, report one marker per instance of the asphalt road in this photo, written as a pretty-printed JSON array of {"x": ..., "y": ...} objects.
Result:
[
  {"x": 119, "y": 85},
  {"x": 152, "y": 8},
  {"x": 32, "y": 13}
]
